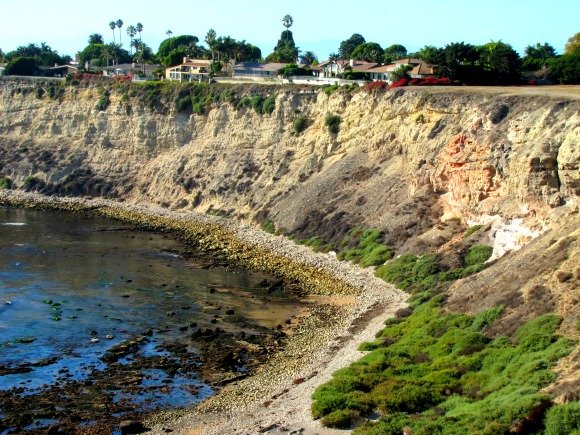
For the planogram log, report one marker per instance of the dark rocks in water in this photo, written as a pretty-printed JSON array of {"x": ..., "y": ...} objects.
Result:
[{"x": 131, "y": 427}]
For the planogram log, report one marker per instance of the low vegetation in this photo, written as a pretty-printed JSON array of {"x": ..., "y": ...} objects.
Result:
[
  {"x": 104, "y": 101},
  {"x": 5, "y": 183},
  {"x": 300, "y": 124},
  {"x": 437, "y": 373},
  {"x": 333, "y": 123},
  {"x": 364, "y": 247}
]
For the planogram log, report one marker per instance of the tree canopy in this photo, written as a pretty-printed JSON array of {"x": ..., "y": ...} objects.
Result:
[
  {"x": 103, "y": 55},
  {"x": 394, "y": 52},
  {"x": 22, "y": 66},
  {"x": 348, "y": 45},
  {"x": 172, "y": 50},
  {"x": 369, "y": 52},
  {"x": 285, "y": 50},
  {"x": 573, "y": 44},
  {"x": 42, "y": 54}
]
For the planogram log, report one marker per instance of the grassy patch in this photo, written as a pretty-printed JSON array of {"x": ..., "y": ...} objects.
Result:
[
  {"x": 478, "y": 254},
  {"x": 317, "y": 244},
  {"x": 438, "y": 373},
  {"x": 364, "y": 247},
  {"x": 563, "y": 419},
  {"x": 269, "y": 226},
  {"x": 103, "y": 101},
  {"x": 5, "y": 183}
]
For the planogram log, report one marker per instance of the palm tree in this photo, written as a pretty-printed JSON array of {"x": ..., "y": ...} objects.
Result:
[
  {"x": 169, "y": 33},
  {"x": 113, "y": 26},
  {"x": 119, "y": 25},
  {"x": 131, "y": 31},
  {"x": 287, "y": 21},
  {"x": 210, "y": 41},
  {"x": 139, "y": 28},
  {"x": 96, "y": 38}
]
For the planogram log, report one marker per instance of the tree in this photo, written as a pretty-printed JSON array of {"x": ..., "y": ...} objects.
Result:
[
  {"x": 431, "y": 54},
  {"x": 501, "y": 62},
  {"x": 119, "y": 24},
  {"x": 172, "y": 50},
  {"x": 347, "y": 46},
  {"x": 536, "y": 56},
  {"x": 394, "y": 52},
  {"x": 139, "y": 28},
  {"x": 210, "y": 39},
  {"x": 287, "y": 21},
  {"x": 402, "y": 72},
  {"x": 573, "y": 44},
  {"x": 565, "y": 69},
  {"x": 459, "y": 62},
  {"x": 308, "y": 58},
  {"x": 169, "y": 33},
  {"x": 42, "y": 54},
  {"x": 21, "y": 66},
  {"x": 101, "y": 54},
  {"x": 285, "y": 50},
  {"x": 1, "y": 55},
  {"x": 131, "y": 31},
  {"x": 368, "y": 51},
  {"x": 96, "y": 38},
  {"x": 113, "y": 26}
]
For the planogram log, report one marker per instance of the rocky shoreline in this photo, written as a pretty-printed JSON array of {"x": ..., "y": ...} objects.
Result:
[{"x": 353, "y": 305}]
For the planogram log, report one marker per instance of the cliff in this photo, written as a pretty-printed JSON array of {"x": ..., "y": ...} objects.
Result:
[{"x": 421, "y": 164}]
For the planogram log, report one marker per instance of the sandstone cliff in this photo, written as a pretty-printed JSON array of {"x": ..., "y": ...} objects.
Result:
[{"x": 420, "y": 164}]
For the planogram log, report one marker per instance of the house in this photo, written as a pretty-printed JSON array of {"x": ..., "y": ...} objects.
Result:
[
  {"x": 420, "y": 69},
  {"x": 59, "y": 70},
  {"x": 337, "y": 68},
  {"x": 188, "y": 71},
  {"x": 257, "y": 70},
  {"x": 130, "y": 69}
]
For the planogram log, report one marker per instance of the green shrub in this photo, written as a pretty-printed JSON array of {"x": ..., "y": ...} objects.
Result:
[
  {"x": 269, "y": 105},
  {"x": 103, "y": 102},
  {"x": 5, "y": 183},
  {"x": 31, "y": 183},
  {"x": 340, "y": 419},
  {"x": 478, "y": 254},
  {"x": 51, "y": 92},
  {"x": 330, "y": 89},
  {"x": 269, "y": 226},
  {"x": 317, "y": 244},
  {"x": 364, "y": 247},
  {"x": 300, "y": 124},
  {"x": 39, "y": 93},
  {"x": 333, "y": 123},
  {"x": 563, "y": 419},
  {"x": 184, "y": 104},
  {"x": 447, "y": 376}
]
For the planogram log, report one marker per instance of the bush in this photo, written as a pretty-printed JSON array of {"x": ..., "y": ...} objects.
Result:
[
  {"x": 269, "y": 226},
  {"x": 563, "y": 419},
  {"x": 333, "y": 123},
  {"x": 300, "y": 124},
  {"x": 39, "y": 93},
  {"x": 269, "y": 105},
  {"x": 5, "y": 183},
  {"x": 32, "y": 183},
  {"x": 478, "y": 254},
  {"x": 364, "y": 247},
  {"x": 340, "y": 419},
  {"x": 184, "y": 104},
  {"x": 330, "y": 89},
  {"x": 103, "y": 102}
]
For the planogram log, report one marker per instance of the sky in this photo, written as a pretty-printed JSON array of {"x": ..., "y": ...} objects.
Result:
[{"x": 319, "y": 25}]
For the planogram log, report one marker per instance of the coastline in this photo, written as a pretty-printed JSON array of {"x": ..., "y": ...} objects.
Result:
[{"x": 277, "y": 396}]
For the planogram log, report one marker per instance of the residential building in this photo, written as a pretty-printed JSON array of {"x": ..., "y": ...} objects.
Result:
[
  {"x": 59, "y": 70},
  {"x": 191, "y": 70},
  {"x": 130, "y": 69},
  {"x": 257, "y": 70},
  {"x": 420, "y": 69},
  {"x": 337, "y": 68}
]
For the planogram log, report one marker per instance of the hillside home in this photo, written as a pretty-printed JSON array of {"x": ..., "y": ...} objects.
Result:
[
  {"x": 336, "y": 68},
  {"x": 420, "y": 69},
  {"x": 189, "y": 71},
  {"x": 59, "y": 70},
  {"x": 257, "y": 70},
  {"x": 130, "y": 69}
]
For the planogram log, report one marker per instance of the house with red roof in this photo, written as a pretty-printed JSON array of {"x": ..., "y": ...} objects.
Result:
[{"x": 420, "y": 69}]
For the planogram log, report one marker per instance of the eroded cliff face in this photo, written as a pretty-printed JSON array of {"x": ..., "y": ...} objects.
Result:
[{"x": 404, "y": 161}]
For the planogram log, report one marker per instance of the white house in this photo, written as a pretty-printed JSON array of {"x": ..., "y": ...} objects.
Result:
[{"x": 336, "y": 68}]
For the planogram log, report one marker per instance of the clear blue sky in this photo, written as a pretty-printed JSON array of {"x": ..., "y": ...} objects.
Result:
[{"x": 319, "y": 25}]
